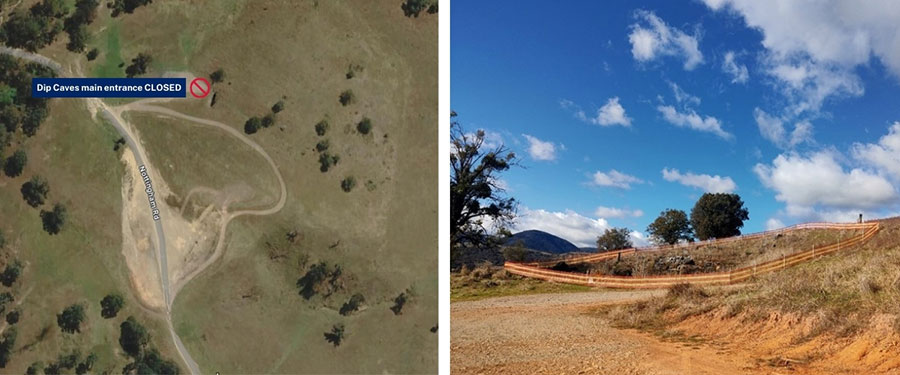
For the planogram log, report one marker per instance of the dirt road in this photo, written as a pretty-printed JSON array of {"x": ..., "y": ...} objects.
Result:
[{"x": 555, "y": 334}]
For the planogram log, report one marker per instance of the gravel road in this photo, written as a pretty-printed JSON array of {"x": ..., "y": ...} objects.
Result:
[{"x": 556, "y": 334}]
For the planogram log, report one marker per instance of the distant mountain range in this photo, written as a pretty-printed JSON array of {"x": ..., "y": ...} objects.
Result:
[{"x": 542, "y": 241}]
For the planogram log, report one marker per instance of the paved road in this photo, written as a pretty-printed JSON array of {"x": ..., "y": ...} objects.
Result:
[{"x": 114, "y": 119}]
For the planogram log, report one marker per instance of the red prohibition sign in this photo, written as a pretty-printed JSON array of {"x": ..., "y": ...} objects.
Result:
[{"x": 199, "y": 88}]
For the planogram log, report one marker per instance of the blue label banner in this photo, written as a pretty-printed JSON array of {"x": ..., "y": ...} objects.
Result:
[{"x": 108, "y": 88}]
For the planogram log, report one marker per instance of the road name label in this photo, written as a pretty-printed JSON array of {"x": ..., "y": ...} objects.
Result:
[
  {"x": 108, "y": 88},
  {"x": 149, "y": 190}
]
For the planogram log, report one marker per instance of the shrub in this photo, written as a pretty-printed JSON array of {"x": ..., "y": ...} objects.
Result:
[
  {"x": 15, "y": 164},
  {"x": 110, "y": 305},
  {"x": 399, "y": 302},
  {"x": 12, "y": 317},
  {"x": 252, "y": 125},
  {"x": 217, "y": 76},
  {"x": 55, "y": 219},
  {"x": 347, "y": 98},
  {"x": 686, "y": 290},
  {"x": 353, "y": 304},
  {"x": 11, "y": 273},
  {"x": 336, "y": 335},
  {"x": 322, "y": 128},
  {"x": 327, "y": 160},
  {"x": 348, "y": 184},
  {"x": 278, "y": 107},
  {"x": 34, "y": 191},
  {"x": 138, "y": 65},
  {"x": 70, "y": 319},
  {"x": 322, "y": 145},
  {"x": 92, "y": 54},
  {"x": 267, "y": 121},
  {"x": 364, "y": 126}
]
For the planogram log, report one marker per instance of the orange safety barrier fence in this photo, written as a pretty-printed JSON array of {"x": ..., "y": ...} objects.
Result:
[{"x": 538, "y": 269}]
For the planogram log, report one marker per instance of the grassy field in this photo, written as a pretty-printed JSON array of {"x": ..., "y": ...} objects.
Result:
[
  {"x": 190, "y": 155},
  {"x": 487, "y": 282},
  {"x": 81, "y": 264},
  {"x": 383, "y": 233}
]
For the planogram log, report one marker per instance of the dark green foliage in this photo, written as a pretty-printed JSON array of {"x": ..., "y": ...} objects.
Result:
[
  {"x": 217, "y": 76},
  {"x": 11, "y": 273},
  {"x": 7, "y": 345},
  {"x": 326, "y": 161},
  {"x": 322, "y": 145},
  {"x": 433, "y": 8},
  {"x": 85, "y": 366},
  {"x": 54, "y": 220},
  {"x": 34, "y": 191},
  {"x": 718, "y": 215},
  {"x": 364, "y": 126},
  {"x": 133, "y": 337},
  {"x": 614, "y": 239},
  {"x": 126, "y": 6},
  {"x": 516, "y": 252},
  {"x": 412, "y": 8},
  {"x": 5, "y": 299},
  {"x": 353, "y": 304},
  {"x": 36, "y": 28},
  {"x": 347, "y": 98},
  {"x": 92, "y": 54},
  {"x": 322, "y": 128},
  {"x": 322, "y": 279},
  {"x": 34, "y": 116},
  {"x": 252, "y": 125},
  {"x": 2, "y": 240},
  {"x": 151, "y": 363},
  {"x": 278, "y": 107},
  {"x": 78, "y": 38},
  {"x": 110, "y": 305},
  {"x": 138, "y": 65},
  {"x": 670, "y": 227},
  {"x": 33, "y": 369},
  {"x": 399, "y": 302},
  {"x": 267, "y": 121},
  {"x": 52, "y": 368},
  {"x": 336, "y": 335},
  {"x": 352, "y": 69},
  {"x": 12, "y": 317},
  {"x": 474, "y": 194},
  {"x": 68, "y": 361},
  {"x": 15, "y": 164},
  {"x": 70, "y": 319},
  {"x": 348, "y": 184}
]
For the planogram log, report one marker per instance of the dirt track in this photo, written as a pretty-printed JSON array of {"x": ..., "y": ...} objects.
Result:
[{"x": 553, "y": 333}]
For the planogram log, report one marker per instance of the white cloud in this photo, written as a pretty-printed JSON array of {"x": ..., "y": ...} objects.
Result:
[
  {"x": 705, "y": 182},
  {"x": 616, "y": 213},
  {"x": 691, "y": 119},
  {"x": 612, "y": 113},
  {"x": 885, "y": 155},
  {"x": 661, "y": 40},
  {"x": 682, "y": 96},
  {"x": 774, "y": 223},
  {"x": 738, "y": 72},
  {"x": 813, "y": 47},
  {"x": 805, "y": 183},
  {"x": 615, "y": 178},
  {"x": 540, "y": 150},
  {"x": 578, "y": 229},
  {"x": 772, "y": 128}
]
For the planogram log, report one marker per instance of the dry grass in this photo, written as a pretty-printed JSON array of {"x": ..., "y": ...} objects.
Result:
[{"x": 486, "y": 281}]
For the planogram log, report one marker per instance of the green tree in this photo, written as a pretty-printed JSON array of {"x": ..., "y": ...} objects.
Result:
[
  {"x": 322, "y": 146},
  {"x": 85, "y": 366},
  {"x": 353, "y": 304},
  {"x": 15, "y": 164},
  {"x": 133, "y": 337},
  {"x": 55, "y": 219},
  {"x": 78, "y": 38},
  {"x": 34, "y": 191},
  {"x": 92, "y": 54},
  {"x": 322, "y": 128},
  {"x": 670, "y": 227},
  {"x": 7, "y": 345},
  {"x": 11, "y": 273},
  {"x": 34, "y": 116},
  {"x": 267, "y": 121},
  {"x": 111, "y": 304},
  {"x": 718, "y": 215},
  {"x": 326, "y": 161},
  {"x": 217, "y": 76},
  {"x": 278, "y": 107},
  {"x": 347, "y": 97},
  {"x": 336, "y": 336},
  {"x": 474, "y": 191},
  {"x": 348, "y": 184},
  {"x": 12, "y": 317},
  {"x": 364, "y": 126},
  {"x": 614, "y": 239},
  {"x": 138, "y": 65},
  {"x": 412, "y": 8},
  {"x": 151, "y": 363},
  {"x": 252, "y": 125},
  {"x": 70, "y": 319}
]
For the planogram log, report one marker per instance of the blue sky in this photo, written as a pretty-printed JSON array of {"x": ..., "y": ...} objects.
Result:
[{"x": 620, "y": 110}]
